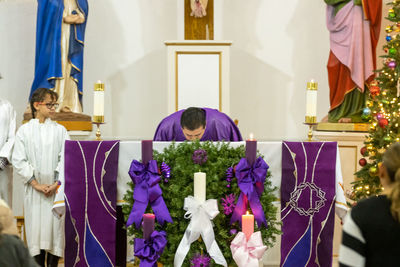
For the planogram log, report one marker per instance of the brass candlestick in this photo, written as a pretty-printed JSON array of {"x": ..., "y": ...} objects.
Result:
[
  {"x": 310, "y": 121},
  {"x": 98, "y": 120}
]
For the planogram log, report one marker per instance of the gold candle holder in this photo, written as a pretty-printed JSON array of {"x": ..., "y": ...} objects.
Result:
[
  {"x": 98, "y": 133},
  {"x": 310, "y": 130}
]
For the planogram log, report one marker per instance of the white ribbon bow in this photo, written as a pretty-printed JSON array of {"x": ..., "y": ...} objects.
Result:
[
  {"x": 247, "y": 253},
  {"x": 201, "y": 215}
]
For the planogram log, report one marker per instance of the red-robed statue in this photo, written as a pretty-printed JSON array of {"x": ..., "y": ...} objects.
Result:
[{"x": 354, "y": 27}]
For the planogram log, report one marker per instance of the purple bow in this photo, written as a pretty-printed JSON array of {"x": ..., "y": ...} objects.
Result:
[
  {"x": 251, "y": 183},
  {"x": 146, "y": 179},
  {"x": 149, "y": 251}
]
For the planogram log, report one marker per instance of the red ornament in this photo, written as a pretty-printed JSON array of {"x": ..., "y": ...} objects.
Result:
[
  {"x": 362, "y": 162},
  {"x": 374, "y": 90},
  {"x": 364, "y": 151},
  {"x": 383, "y": 122}
]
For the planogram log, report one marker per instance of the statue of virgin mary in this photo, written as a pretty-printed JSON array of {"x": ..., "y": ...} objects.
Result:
[{"x": 60, "y": 34}]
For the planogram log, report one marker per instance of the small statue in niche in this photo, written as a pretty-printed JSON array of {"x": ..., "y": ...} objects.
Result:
[{"x": 198, "y": 8}]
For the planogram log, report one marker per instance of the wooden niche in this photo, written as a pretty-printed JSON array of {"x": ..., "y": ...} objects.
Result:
[{"x": 199, "y": 28}]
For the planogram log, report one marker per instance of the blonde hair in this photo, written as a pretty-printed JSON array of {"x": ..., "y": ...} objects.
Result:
[
  {"x": 7, "y": 224},
  {"x": 391, "y": 160}
]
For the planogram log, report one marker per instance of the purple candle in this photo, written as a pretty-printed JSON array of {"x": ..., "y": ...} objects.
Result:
[
  {"x": 148, "y": 225},
  {"x": 147, "y": 151},
  {"x": 251, "y": 150}
]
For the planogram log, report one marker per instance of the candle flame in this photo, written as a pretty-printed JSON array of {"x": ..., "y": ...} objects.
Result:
[
  {"x": 247, "y": 213},
  {"x": 251, "y": 136}
]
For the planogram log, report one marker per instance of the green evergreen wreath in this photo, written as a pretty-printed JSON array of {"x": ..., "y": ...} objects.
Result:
[{"x": 220, "y": 156}]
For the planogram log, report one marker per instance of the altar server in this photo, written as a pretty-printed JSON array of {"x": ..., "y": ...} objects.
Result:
[
  {"x": 204, "y": 124},
  {"x": 371, "y": 231},
  {"x": 7, "y": 136},
  {"x": 36, "y": 158}
]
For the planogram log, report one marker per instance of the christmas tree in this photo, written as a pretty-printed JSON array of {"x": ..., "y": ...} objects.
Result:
[{"x": 383, "y": 111}]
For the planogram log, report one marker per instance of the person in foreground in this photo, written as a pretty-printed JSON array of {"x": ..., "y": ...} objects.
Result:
[
  {"x": 371, "y": 230},
  {"x": 36, "y": 158},
  {"x": 13, "y": 251},
  {"x": 204, "y": 124}
]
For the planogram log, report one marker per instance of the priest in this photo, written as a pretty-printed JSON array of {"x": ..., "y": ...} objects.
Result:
[{"x": 204, "y": 124}]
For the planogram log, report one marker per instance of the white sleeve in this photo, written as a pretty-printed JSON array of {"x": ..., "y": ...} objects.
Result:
[
  {"x": 20, "y": 160},
  {"x": 6, "y": 150},
  {"x": 341, "y": 207},
  {"x": 59, "y": 199},
  {"x": 60, "y": 167}
]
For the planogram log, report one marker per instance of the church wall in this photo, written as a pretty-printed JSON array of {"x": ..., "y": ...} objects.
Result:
[{"x": 277, "y": 47}]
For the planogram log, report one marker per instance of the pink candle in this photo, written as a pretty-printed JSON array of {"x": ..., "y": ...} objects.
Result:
[
  {"x": 148, "y": 224},
  {"x": 251, "y": 150},
  {"x": 147, "y": 151},
  {"x": 248, "y": 224}
]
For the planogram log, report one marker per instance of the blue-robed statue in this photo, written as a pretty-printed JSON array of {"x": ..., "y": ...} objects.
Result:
[{"x": 60, "y": 34}]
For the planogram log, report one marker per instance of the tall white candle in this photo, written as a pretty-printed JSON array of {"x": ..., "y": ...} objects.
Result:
[
  {"x": 311, "y": 99},
  {"x": 98, "y": 102},
  {"x": 200, "y": 186}
]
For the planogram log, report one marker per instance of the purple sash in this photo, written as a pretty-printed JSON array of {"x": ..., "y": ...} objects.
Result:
[
  {"x": 308, "y": 203},
  {"x": 91, "y": 169}
]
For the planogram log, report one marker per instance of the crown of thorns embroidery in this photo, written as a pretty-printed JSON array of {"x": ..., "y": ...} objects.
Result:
[{"x": 317, "y": 199}]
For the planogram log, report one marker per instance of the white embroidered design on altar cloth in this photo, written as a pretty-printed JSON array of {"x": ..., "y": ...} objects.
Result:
[{"x": 317, "y": 199}]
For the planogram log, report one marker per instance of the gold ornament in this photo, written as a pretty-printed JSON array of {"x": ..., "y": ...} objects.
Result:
[
  {"x": 373, "y": 171},
  {"x": 381, "y": 150},
  {"x": 388, "y": 29}
]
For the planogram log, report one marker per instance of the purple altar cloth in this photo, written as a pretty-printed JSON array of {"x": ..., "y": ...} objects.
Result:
[
  {"x": 91, "y": 169},
  {"x": 219, "y": 127},
  {"x": 308, "y": 203}
]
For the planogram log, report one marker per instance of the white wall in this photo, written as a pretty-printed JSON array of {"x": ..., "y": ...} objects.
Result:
[{"x": 277, "y": 47}]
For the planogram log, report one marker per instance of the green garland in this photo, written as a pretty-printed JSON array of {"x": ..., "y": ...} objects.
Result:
[{"x": 220, "y": 156}]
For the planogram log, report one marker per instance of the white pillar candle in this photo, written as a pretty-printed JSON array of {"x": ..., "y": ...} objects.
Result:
[
  {"x": 311, "y": 99},
  {"x": 200, "y": 186},
  {"x": 98, "y": 102},
  {"x": 98, "y": 105}
]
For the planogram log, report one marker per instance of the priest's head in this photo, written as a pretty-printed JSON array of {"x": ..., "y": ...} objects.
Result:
[{"x": 193, "y": 123}]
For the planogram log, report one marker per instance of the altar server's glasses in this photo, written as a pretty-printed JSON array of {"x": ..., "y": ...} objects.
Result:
[{"x": 50, "y": 105}]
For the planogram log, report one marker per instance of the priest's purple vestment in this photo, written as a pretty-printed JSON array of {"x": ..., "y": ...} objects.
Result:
[{"x": 219, "y": 127}]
